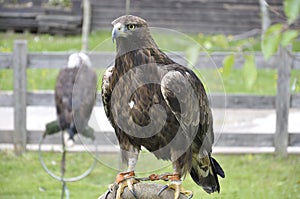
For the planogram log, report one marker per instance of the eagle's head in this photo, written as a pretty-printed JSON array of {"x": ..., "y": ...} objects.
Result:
[
  {"x": 78, "y": 60},
  {"x": 131, "y": 33}
]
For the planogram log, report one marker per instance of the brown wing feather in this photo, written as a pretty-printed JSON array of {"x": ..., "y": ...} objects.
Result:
[
  {"x": 186, "y": 97},
  {"x": 84, "y": 96},
  {"x": 107, "y": 89},
  {"x": 75, "y": 94},
  {"x": 63, "y": 96}
]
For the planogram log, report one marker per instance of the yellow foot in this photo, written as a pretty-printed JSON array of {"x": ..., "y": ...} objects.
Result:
[
  {"x": 123, "y": 180},
  {"x": 177, "y": 187}
]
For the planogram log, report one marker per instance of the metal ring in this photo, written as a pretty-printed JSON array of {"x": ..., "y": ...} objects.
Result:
[{"x": 73, "y": 179}]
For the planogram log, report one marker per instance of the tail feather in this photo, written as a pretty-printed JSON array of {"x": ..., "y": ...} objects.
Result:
[
  {"x": 217, "y": 167},
  {"x": 205, "y": 173}
]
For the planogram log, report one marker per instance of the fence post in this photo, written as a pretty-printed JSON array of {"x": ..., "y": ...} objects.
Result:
[
  {"x": 86, "y": 24},
  {"x": 127, "y": 7},
  {"x": 19, "y": 64},
  {"x": 282, "y": 102}
]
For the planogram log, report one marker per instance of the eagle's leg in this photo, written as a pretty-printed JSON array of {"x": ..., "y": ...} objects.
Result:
[
  {"x": 176, "y": 184},
  {"x": 123, "y": 180},
  {"x": 127, "y": 179}
]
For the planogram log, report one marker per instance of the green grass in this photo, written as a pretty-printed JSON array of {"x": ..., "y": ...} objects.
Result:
[
  {"x": 168, "y": 40},
  {"x": 37, "y": 79},
  {"x": 266, "y": 83},
  {"x": 50, "y": 43},
  {"x": 215, "y": 81},
  {"x": 247, "y": 176}
]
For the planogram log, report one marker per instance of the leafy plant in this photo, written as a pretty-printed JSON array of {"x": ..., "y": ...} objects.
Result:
[
  {"x": 281, "y": 34},
  {"x": 271, "y": 40},
  {"x": 291, "y": 10},
  {"x": 228, "y": 63},
  {"x": 249, "y": 71}
]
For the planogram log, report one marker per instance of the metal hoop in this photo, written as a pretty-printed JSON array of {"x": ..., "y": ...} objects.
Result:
[{"x": 73, "y": 179}]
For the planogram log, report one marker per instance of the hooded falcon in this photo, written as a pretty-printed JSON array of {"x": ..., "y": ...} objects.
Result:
[
  {"x": 75, "y": 95},
  {"x": 153, "y": 102}
]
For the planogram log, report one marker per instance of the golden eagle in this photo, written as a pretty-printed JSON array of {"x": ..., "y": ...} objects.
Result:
[
  {"x": 75, "y": 94},
  {"x": 153, "y": 102}
]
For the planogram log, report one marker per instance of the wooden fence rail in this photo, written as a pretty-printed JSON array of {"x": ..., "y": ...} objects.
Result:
[
  {"x": 233, "y": 101},
  {"x": 19, "y": 98},
  {"x": 105, "y": 59}
]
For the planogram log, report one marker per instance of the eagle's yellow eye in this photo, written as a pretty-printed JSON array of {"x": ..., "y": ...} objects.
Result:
[{"x": 130, "y": 26}]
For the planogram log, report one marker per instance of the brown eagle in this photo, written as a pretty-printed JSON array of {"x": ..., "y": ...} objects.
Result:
[
  {"x": 75, "y": 94},
  {"x": 153, "y": 102}
]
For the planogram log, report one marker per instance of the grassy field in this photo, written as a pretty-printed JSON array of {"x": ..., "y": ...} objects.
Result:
[
  {"x": 101, "y": 40},
  {"x": 44, "y": 79},
  {"x": 247, "y": 176},
  {"x": 49, "y": 43},
  {"x": 215, "y": 81}
]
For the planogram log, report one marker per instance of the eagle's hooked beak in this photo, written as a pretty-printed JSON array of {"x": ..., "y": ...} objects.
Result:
[{"x": 117, "y": 31}]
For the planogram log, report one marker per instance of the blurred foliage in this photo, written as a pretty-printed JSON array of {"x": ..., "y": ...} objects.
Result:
[
  {"x": 249, "y": 71},
  {"x": 282, "y": 33},
  {"x": 213, "y": 43},
  {"x": 271, "y": 40},
  {"x": 228, "y": 64},
  {"x": 292, "y": 10}
]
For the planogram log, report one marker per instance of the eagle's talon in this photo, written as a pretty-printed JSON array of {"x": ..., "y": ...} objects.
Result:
[
  {"x": 162, "y": 189},
  {"x": 107, "y": 193},
  {"x": 123, "y": 180},
  {"x": 126, "y": 183},
  {"x": 176, "y": 186},
  {"x": 133, "y": 193},
  {"x": 111, "y": 189},
  {"x": 130, "y": 183},
  {"x": 190, "y": 196}
]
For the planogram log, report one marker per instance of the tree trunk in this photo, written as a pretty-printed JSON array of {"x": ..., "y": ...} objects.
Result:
[
  {"x": 145, "y": 191},
  {"x": 265, "y": 17}
]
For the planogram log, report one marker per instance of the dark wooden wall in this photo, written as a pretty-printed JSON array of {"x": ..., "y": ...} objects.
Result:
[
  {"x": 38, "y": 16},
  {"x": 206, "y": 16}
]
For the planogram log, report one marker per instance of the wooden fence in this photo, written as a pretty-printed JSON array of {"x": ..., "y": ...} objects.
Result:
[
  {"x": 204, "y": 16},
  {"x": 20, "y": 59}
]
